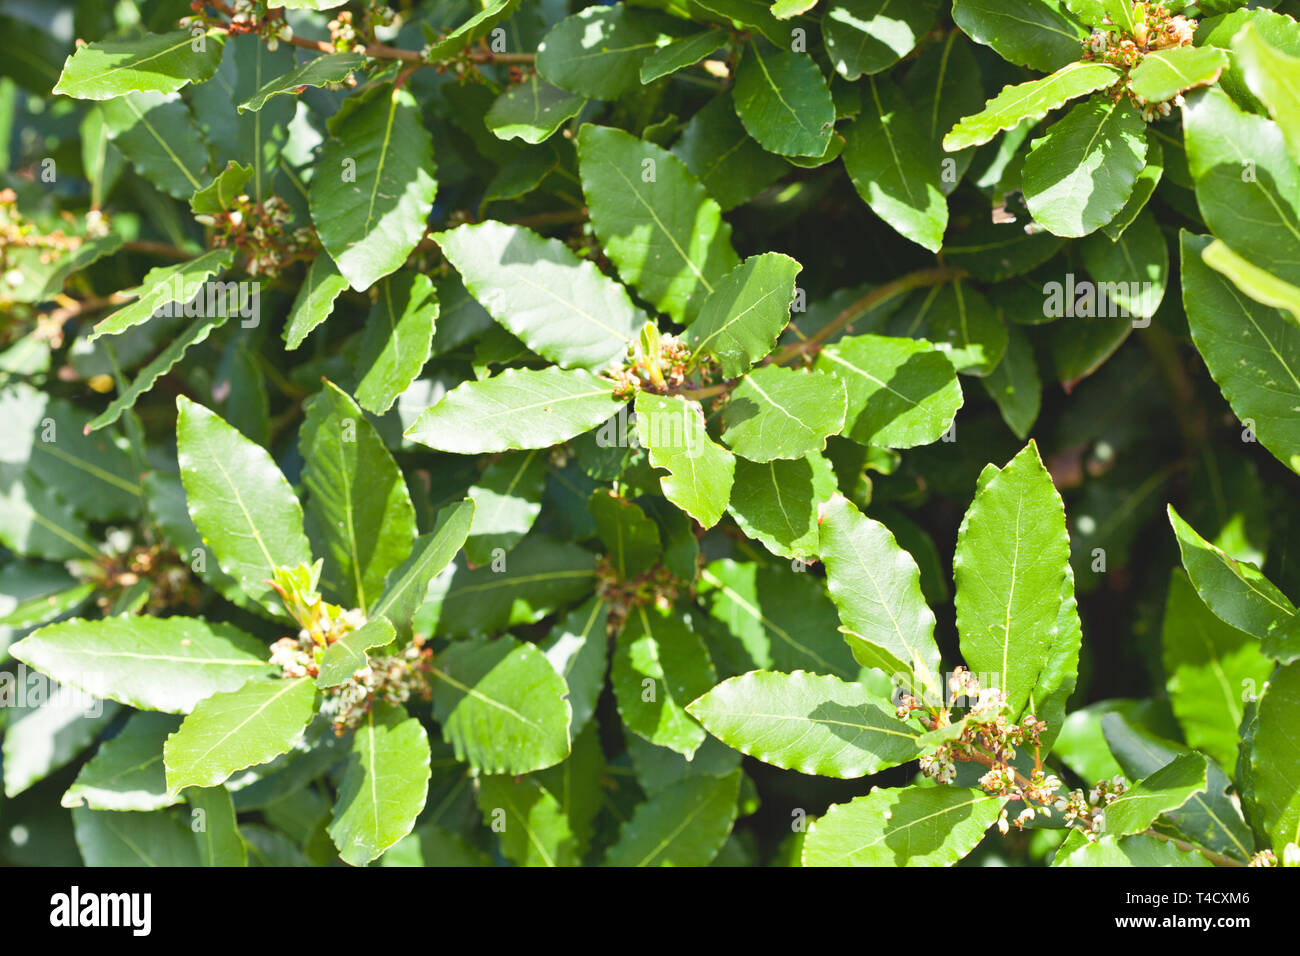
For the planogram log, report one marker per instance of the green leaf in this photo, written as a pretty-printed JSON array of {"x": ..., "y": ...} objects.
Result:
[
  {"x": 166, "y": 290},
  {"x": 508, "y": 499},
  {"x": 239, "y": 501},
  {"x": 1274, "y": 77},
  {"x": 680, "y": 54},
  {"x": 1163, "y": 791},
  {"x": 867, "y": 36},
  {"x": 716, "y": 149},
  {"x": 373, "y": 185},
  {"x": 578, "y": 649},
  {"x": 406, "y": 586},
  {"x": 538, "y": 576},
  {"x": 901, "y": 392},
  {"x": 347, "y": 655},
  {"x": 192, "y": 335},
  {"x": 1145, "y": 187},
  {"x": 1275, "y": 758},
  {"x": 660, "y": 665},
  {"x": 149, "y": 663},
  {"x": 891, "y": 163},
  {"x": 475, "y": 28},
  {"x": 501, "y": 705},
  {"x": 397, "y": 340},
  {"x": 358, "y": 510},
  {"x": 1208, "y": 663},
  {"x": 157, "y": 133},
  {"x": 1011, "y": 558},
  {"x": 532, "y": 111},
  {"x": 127, "y": 771},
  {"x": 1212, "y": 819},
  {"x": 783, "y": 102},
  {"x": 682, "y": 825},
  {"x": 1082, "y": 172},
  {"x": 318, "y": 71},
  {"x": 561, "y": 307},
  {"x": 1247, "y": 184},
  {"x": 106, "y": 838},
  {"x": 1034, "y": 33},
  {"x": 876, "y": 586},
  {"x": 1264, "y": 390},
  {"x": 430, "y": 845},
  {"x": 1140, "y": 850},
  {"x": 1263, "y": 287},
  {"x": 785, "y": 9},
  {"x": 314, "y": 301},
  {"x": 530, "y": 822},
  {"x": 1130, "y": 272},
  {"x": 1236, "y": 591},
  {"x": 910, "y": 826},
  {"x": 46, "y": 437},
  {"x": 753, "y": 15},
  {"x": 1163, "y": 74},
  {"x": 155, "y": 62},
  {"x": 34, "y": 522},
  {"x": 384, "y": 787},
  {"x": 700, "y": 473},
  {"x": 520, "y": 408},
  {"x": 598, "y": 51},
  {"x": 781, "y": 618},
  {"x": 776, "y": 502},
  {"x": 219, "y": 196},
  {"x": 778, "y": 412},
  {"x": 743, "y": 317},
  {"x": 236, "y": 729},
  {"x": 657, "y": 225},
  {"x": 630, "y": 538},
  {"x": 46, "y": 731},
  {"x": 806, "y": 722},
  {"x": 1015, "y": 386},
  {"x": 216, "y": 833},
  {"x": 1030, "y": 101}
]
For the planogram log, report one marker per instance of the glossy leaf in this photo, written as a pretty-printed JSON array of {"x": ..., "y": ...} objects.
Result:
[
  {"x": 358, "y": 510},
  {"x": 781, "y": 413},
  {"x": 239, "y": 501},
  {"x": 520, "y": 408},
  {"x": 167, "y": 664},
  {"x": 374, "y": 185},
  {"x": 807, "y": 722},
  {"x": 560, "y": 306},
  {"x": 384, "y": 787},
  {"x": 235, "y": 729},
  {"x": 1009, "y": 571},
  {"x": 909, "y": 826},
  {"x": 501, "y": 705}
]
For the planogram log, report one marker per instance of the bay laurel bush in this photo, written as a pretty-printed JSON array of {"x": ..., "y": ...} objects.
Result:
[{"x": 678, "y": 432}]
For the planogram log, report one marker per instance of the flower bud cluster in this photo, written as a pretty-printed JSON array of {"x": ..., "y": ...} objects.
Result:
[
  {"x": 119, "y": 572},
  {"x": 259, "y": 231},
  {"x": 392, "y": 677},
  {"x": 1290, "y": 857},
  {"x": 244, "y": 18},
  {"x": 655, "y": 588},
  {"x": 660, "y": 368},
  {"x": 1155, "y": 28},
  {"x": 342, "y": 33}
]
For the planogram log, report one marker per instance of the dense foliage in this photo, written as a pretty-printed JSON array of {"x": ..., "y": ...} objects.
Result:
[{"x": 435, "y": 433}]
